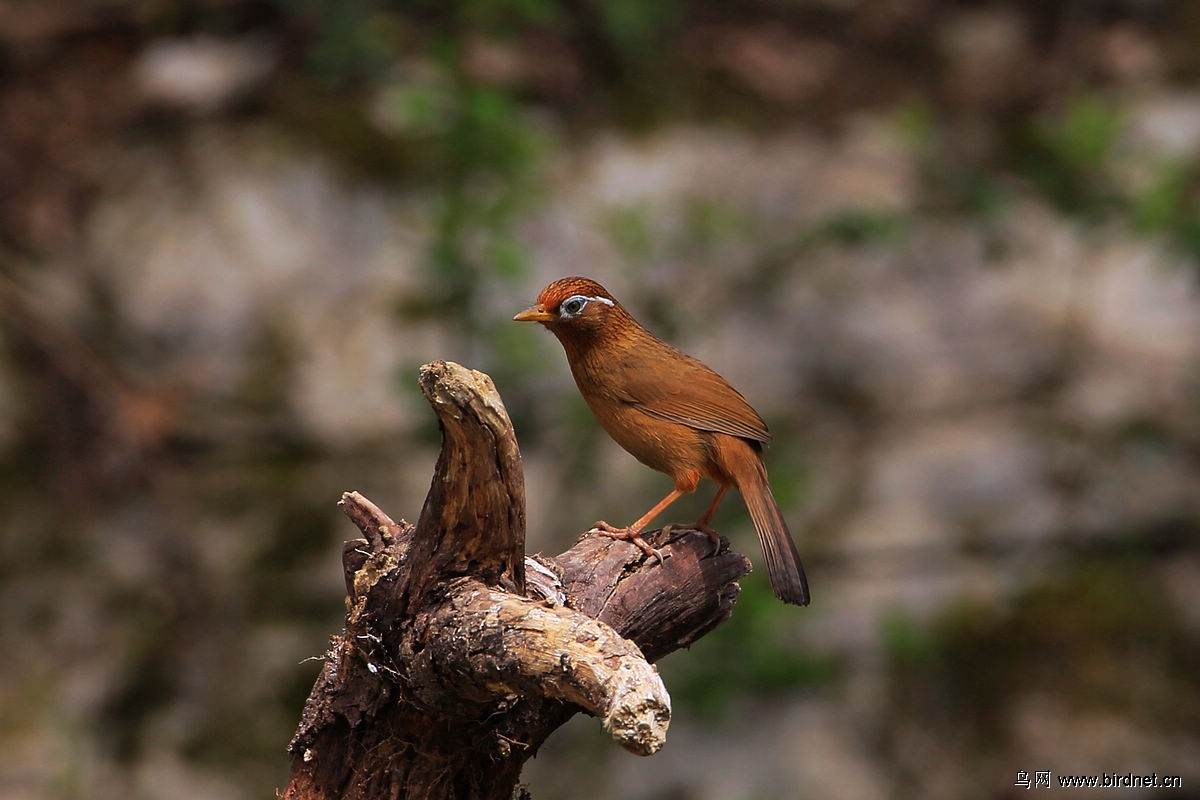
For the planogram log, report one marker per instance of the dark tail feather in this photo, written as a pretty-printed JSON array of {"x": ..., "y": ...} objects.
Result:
[{"x": 783, "y": 562}]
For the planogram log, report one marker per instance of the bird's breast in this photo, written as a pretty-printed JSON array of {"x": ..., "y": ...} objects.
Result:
[
  {"x": 603, "y": 376},
  {"x": 668, "y": 447}
]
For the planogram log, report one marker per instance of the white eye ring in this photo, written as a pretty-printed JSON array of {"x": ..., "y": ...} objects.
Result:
[{"x": 574, "y": 305}]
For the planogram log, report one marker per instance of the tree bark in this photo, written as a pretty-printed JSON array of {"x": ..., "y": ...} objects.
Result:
[{"x": 460, "y": 654}]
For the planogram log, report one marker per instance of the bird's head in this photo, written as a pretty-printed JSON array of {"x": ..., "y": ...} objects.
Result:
[{"x": 573, "y": 307}]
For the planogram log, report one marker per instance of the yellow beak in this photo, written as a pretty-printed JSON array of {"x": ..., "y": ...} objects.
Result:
[{"x": 534, "y": 314}]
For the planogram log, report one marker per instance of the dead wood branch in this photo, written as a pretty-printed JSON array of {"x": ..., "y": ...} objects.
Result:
[{"x": 460, "y": 655}]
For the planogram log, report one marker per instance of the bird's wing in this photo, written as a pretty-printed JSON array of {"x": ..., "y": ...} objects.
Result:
[{"x": 695, "y": 396}]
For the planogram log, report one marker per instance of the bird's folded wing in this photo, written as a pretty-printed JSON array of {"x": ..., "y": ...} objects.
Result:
[{"x": 699, "y": 398}]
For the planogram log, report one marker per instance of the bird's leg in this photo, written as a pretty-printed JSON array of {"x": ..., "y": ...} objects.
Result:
[
  {"x": 634, "y": 531},
  {"x": 701, "y": 524}
]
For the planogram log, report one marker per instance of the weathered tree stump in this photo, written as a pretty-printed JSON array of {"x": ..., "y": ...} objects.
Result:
[{"x": 460, "y": 655}]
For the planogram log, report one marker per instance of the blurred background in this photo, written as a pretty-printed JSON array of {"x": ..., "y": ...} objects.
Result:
[{"x": 949, "y": 250}]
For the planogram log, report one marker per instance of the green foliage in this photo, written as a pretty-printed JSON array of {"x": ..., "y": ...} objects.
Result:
[
  {"x": 358, "y": 39},
  {"x": 1083, "y": 139},
  {"x": 915, "y": 122},
  {"x": 265, "y": 385},
  {"x": 506, "y": 16},
  {"x": 423, "y": 118},
  {"x": 635, "y": 28},
  {"x": 1072, "y": 158},
  {"x": 694, "y": 231},
  {"x": 708, "y": 221},
  {"x": 488, "y": 154},
  {"x": 964, "y": 188},
  {"x": 860, "y": 226},
  {"x": 1068, "y": 157},
  {"x": 906, "y": 642},
  {"x": 1170, "y": 205}
]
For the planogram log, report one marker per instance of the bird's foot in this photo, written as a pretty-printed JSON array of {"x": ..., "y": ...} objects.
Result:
[
  {"x": 602, "y": 528},
  {"x": 699, "y": 527}
]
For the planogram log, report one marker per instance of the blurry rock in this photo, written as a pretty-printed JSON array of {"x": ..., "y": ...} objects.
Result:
[
  {"x": 946, "y": 485},
  {"x": 202, "y": 75},
  {"x": 810, "y": 748},
  {"x": 989, "y": 56},
  {"x": 870, "y": 169},
  {"x": 543, "y": 64},
  {"x": 267, "y": 279},
  {"x": 493, "y": 61},
  {"x": 1140, "y": 314},
  {"x": 1182, "y": 583},
  {"x": 709, "y": 199},
  {"x": 772, "y": 61},
  {"x": 1127, "y": 53},
  {"x": 1077, "y": 741},
  {"x": 1166, "y": 126},
  {"x": 784, "y": 178}
]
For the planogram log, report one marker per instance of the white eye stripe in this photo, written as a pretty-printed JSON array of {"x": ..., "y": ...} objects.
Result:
[{"x": 575, "y": 303}]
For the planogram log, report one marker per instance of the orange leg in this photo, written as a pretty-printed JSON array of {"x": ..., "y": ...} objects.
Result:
[
  {"x": 712, "y": 509},
  {"x": 633, "y": 532},
  {"x": 702, "y": 524}
]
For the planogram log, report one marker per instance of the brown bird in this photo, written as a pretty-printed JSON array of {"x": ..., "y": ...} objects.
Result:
[{"x": 670, "y": 412}]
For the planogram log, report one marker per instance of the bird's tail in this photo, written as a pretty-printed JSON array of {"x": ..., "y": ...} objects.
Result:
[{"x": 783, "y": 562}]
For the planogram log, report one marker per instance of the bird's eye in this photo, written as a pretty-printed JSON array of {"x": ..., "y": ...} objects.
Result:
[{"x": 572, "y": 305}]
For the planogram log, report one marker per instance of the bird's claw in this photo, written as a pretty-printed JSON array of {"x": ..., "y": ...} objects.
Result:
[
  {"x": 602, "y": 528},
  {"x": 698, "y": 527}
]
